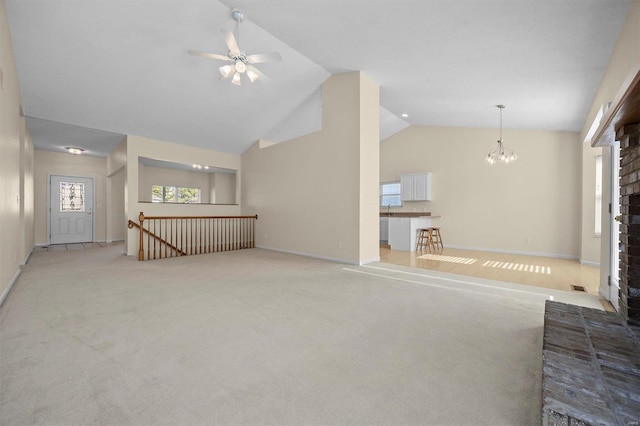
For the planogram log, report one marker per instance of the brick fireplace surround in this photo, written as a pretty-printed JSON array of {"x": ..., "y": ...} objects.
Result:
[{"x": 629, "y": 295}]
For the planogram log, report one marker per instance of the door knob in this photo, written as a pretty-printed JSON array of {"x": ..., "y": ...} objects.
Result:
[{"x": 618, "y": 218}]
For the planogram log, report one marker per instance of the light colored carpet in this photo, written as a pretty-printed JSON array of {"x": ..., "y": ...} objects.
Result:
[{"x": 258, "y": 337}]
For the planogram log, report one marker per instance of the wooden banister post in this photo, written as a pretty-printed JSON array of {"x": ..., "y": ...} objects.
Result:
[{"x": 141, "y": 248}]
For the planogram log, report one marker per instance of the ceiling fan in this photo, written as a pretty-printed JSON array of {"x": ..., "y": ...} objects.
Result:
[{"x": 239, "y": 62}]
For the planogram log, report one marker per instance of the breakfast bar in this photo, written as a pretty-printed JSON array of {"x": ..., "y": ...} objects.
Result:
[{"x": 403, "y": 228}]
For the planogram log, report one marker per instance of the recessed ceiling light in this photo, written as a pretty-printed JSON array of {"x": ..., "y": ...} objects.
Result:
[
  {"x": 74, "y": 150},
  {"x": 405, "y": 115}
]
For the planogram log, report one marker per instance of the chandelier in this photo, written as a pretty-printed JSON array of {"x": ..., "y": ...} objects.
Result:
[{"x": 501, "y": 153}]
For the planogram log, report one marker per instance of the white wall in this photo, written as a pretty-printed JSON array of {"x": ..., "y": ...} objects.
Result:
[
  {"x": 116, "y": 165},
  {"x": 530, "y": 206},
  {"x": 16, "y": 169},
  {"x": 55, "y": 163},
  {"x": 313, "y": 194},
  {"x": 223, "y": 188},
  {"x": 27, "y": 192},
  {"x": 625, "y": 57},
  {"x": 116, "y": 225}
]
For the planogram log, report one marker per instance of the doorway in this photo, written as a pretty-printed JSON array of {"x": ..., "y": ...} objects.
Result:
[
  {"x": 71, "y": 218},
  {"x": 614, "y": 218}
]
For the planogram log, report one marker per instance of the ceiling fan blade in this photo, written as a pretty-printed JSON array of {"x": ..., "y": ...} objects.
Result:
[
  {"x": 230, "y": 39},
  {"x": 208, "y": 55},
  {"x": 264, "y": 57}
]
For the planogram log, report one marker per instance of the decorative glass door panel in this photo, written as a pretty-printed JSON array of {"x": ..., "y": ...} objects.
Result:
[{"x": 71, "y": 196}]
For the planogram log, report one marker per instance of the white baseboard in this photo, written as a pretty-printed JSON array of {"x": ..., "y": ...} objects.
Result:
[
  {"x": 315, "y": 256},
  {"x": 11, "y": 283},
  {"x": 588, "y": 263},
  {"x": 525, "y": 253},
  {"x": 26, "y": 259}
]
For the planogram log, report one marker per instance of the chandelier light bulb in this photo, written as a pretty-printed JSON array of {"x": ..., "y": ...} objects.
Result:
[{"x": 236, "y": 80}]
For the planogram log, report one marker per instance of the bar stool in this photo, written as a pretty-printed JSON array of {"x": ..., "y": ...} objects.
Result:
[
  {"x": 424, "y": 238},
  {"x": 435, "y": 238}
]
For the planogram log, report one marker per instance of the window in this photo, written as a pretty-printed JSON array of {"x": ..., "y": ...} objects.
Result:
[
  {"x": 598, "y": 206},
  {"x": 390, "y": 194},
  {"x": 174, "y": 194}
]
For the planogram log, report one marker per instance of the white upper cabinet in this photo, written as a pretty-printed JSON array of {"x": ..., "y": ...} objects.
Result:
[
  {"x": 416, "y": 186},
  {"x": 406, "y": 187}
]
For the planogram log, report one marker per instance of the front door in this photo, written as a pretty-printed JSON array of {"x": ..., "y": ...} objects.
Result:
[
  {"x": 614, "y": 272},
  {"x": 71, "y": 210}
]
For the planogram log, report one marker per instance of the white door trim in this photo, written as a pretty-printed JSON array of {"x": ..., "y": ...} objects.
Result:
[
  {"x": 93, "y": 204},
  {"x": 614, "y": 233}
]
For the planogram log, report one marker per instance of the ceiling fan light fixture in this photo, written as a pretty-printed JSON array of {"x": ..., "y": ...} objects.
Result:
[
  {"x": 252, "y": 76},
  {"x": 225, "y": 70},
  {"x": 238, "y": 62},
  {"x": 240, "y": 66}
]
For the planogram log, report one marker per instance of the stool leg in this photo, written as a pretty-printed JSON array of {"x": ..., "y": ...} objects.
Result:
[
  {"x": 437, "y": 238},
  {"x": 428, "y": 238},
  {"x": 423, "y": 239}
]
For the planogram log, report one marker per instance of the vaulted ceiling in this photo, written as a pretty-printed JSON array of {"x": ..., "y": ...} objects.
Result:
[{"x": 91, "y": 71}]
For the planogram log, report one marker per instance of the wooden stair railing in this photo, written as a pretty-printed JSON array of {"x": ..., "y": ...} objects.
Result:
[
  {"x": 160, "y": 240},
  {"x": 169, "y": 236}
]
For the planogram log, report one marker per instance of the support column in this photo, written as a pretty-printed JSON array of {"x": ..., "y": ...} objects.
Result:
[{"x": 629, "y": 294}]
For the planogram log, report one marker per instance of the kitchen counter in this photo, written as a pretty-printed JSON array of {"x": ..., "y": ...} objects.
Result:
[{"x": 405, "y": 214}]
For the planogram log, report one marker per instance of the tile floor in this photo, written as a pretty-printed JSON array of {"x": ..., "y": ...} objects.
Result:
[{"x": 74, "y": 246}]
